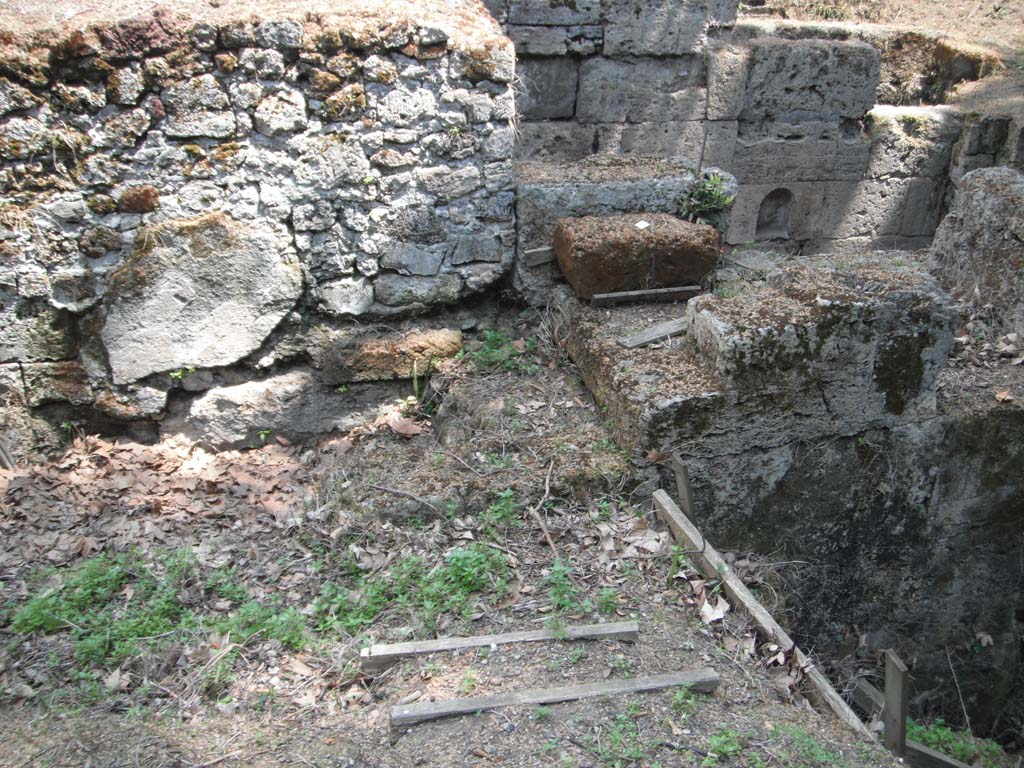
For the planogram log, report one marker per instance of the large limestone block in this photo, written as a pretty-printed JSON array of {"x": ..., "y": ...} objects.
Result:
[
  {"x": 912, "y": 141},
  {"x": 201, "y": 292},
  {"x": 294, "y": 405},
  {"x": 556, "y": 141},
  {"x": 548, "y": 88},
  {"x": 678, "y": 140},
  {"x": 727, "y": 81},
  {"x": 605, "y": 254},
  {"x": 807, "y": 151},
  {"x": 807, "y": 215},
  {"x": 547, "y": 12},
  {"x": 641, "y": 90},
  {"x": 978, "y": 250},
  {"x": 661, "y": 27},
  {"x": 62, "y": 382},
  {"x": 873, "y": 207},
  {"x": 198, "y": 107},
  {"x": 796, "y": 80}
]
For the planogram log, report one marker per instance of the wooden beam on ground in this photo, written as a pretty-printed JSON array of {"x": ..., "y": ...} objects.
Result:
[
  {"x": 894, "y": 716},
  {"x": 378, "y": 657},
  {"x": 868, "y": 698},
  {"x": 713, "y": 566},
  {"x": 920, "y": 756},
  {"x": 653, "y": 334},
  {"x": 681, "y": 293},
  {"x": 537, "y": 256},
  {"x": 702, "y": 680}
]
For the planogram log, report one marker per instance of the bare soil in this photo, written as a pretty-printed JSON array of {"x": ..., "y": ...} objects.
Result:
[{"x": 288, "y": 518}]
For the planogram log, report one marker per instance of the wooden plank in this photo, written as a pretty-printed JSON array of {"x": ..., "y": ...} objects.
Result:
[
  {"x": 894, "y": 716},
  {"x": 703, "y": 680},
  {"x": 868, "y": 698},
  {"x": 537, "y": 256},
  {"x": 378, "y": 657},
  {"x": 920, "y": 756},
  {"x": 654, "y": 333},
  {"x": 683, "y": 490},
  {"x": 680, "y": 293},
  {"x": 713, "y": 566}
]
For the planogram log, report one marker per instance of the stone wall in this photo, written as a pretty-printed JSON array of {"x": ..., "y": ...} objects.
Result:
[
  {"x": 178, "y": 196},
  {"x": 787, "y": 108}
]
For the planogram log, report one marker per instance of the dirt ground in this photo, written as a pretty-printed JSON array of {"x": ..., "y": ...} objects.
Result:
[{"x": 285, "y": 520}]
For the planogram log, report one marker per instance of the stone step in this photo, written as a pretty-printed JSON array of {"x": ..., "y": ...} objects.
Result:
[{"x": 815, "y": 354}]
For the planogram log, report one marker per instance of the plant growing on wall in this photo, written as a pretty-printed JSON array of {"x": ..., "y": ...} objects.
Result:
[{"x": 707, "y": 202}]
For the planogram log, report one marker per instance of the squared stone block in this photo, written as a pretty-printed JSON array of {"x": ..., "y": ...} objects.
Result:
[
  {"x": 727, "y": 81},
  {"x": 794, "y": 80},
  {"x": 641, "y": 90},
  {"x": 654, "y": 27},
  {"x": 911, "y": 141},
  {"x": 546, "y": 12},
  {"x": 806, "y": 151},
  {"x": 802, "y": 211},
  {"x": 923, "y": 207},
  {"x": 548, "y": 88},
  {"x": 867, "y": 208},
  {"x": 539, "y": 41},
  {"x": 719, "y": 144},
  {"x": 555, "y": 140},
  {"x": 679, "y": 140},
  {"x": 605, "y": 254}
]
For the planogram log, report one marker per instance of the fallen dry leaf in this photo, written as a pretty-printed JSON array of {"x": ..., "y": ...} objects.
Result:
[
  {"x": 710, "y": 614},
  {"x": 1004, "y": 396}
]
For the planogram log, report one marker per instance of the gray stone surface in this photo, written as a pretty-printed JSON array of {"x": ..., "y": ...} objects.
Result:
[
  {"x": 806, "y": 151},
  {"x": 979, "y": 248},
  {"x": 203, "y": 292},
  {"x": 641, "y": 90},
  {"x": 397, "y": 290},
  {"x": 912, "y": 141},
  {"x": 548, "y": 87},
  {"x": 556, "y": 141},
  {"x": 281, "y": 112},
  {"x": 727, "y": 81},
  {"x": 549, "y": 13},
  {"x": 294, "y": 405},
  {"x": 31, "y": 331},
  {"x": 661, "y": 27},
  {"x": 198, "y": 107},
  {"x": 796, "y": 80},
  {"x": 678, "y": 140},
  {"x": 347, "y": 296}
]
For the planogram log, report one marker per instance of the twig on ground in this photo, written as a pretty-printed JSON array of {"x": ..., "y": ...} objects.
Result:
[
  {"x": 407, "y": 495},
  {"x": 959, "y": 693},
  {"x": 535, "y": 511}
]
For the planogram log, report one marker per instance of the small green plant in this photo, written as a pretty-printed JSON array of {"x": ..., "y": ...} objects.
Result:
[
  {"x": 958, "y": 744},
  {"x": 561, "y": 591},
  {"x": 684, "y": 702},
  {"x": 541, "y": 713},
  {"x": 468, "y": 683},
  {"x": 707, "y": 202},
  {"x": 607, "y": 600},
  {"x": 578, "y": 654},
  {"x": 810, "y": 752},
  {"x": 181, "y": 373},
  {"x": 342, "y": 389},
  {"x": 498, "y": 352},
  {"x": 501, "y": 514},
  {"x": 725, "y": 743},
  {"x": 263, "y": 434}
]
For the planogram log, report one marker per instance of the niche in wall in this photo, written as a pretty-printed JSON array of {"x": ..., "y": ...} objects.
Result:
[{"x": 773, "y": 215}]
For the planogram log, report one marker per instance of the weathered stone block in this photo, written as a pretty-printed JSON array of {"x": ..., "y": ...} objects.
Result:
[
  {"x": 794, "y": 80},
  {"x": 979, "y": 247},
  {"x": 605, "y": 254},
  {"x": 398, "y": 291},
  {"x": 654, "y": 27},
  {"x": 201, "y": 292},
  {"x": 719, "y": 144},
  {"x": 548, "y": 88},
  {"x": 281, "y": 112},
  {"x": 198, "y": 107},
  {"x": 295, "y": 405},
  {"x": 807, "y": 215},
  {"x": 985, "y": 134},
  {"x": 374, "y": 357},
  {"x": 679, "y": 140},
  {"x": 63, "y": 382},
  {"x": 727, "y": 81},
  {"x": 31, "y": 331},
  {"x": 550, "y": 13},
  {"x": 923, "y": 207},
  {"x": 13, "y": 97},
  {"x": 347, "y": 296},
  {"x": 641, "y": 90},
  {"x": 911, "y": 141},
  {"x": 873, "y": 207},
  {"x": 556, "y": 141},
  {"x": 539, "y": 41},
  {"x": 805, "y": 151},
  {"x": 415, "y": 259}
]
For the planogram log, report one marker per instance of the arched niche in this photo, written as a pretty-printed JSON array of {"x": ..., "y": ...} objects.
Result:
[{"x": 773, "y": 215}]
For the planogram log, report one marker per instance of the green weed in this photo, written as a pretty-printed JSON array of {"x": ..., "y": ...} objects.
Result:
[
  {"x": 561, "y": 591},
  {"x": 684, "y": 701},
  {"x": 706, "y": 202},
  {"x": 723, "y": 744},
  {"x": 607, "y": 600},
  {"x": 958, "y": 744},
  {"x": 498, "y": 352}
]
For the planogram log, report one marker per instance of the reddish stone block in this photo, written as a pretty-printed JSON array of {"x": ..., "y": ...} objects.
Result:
[{"x": 606, "y": 254}]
